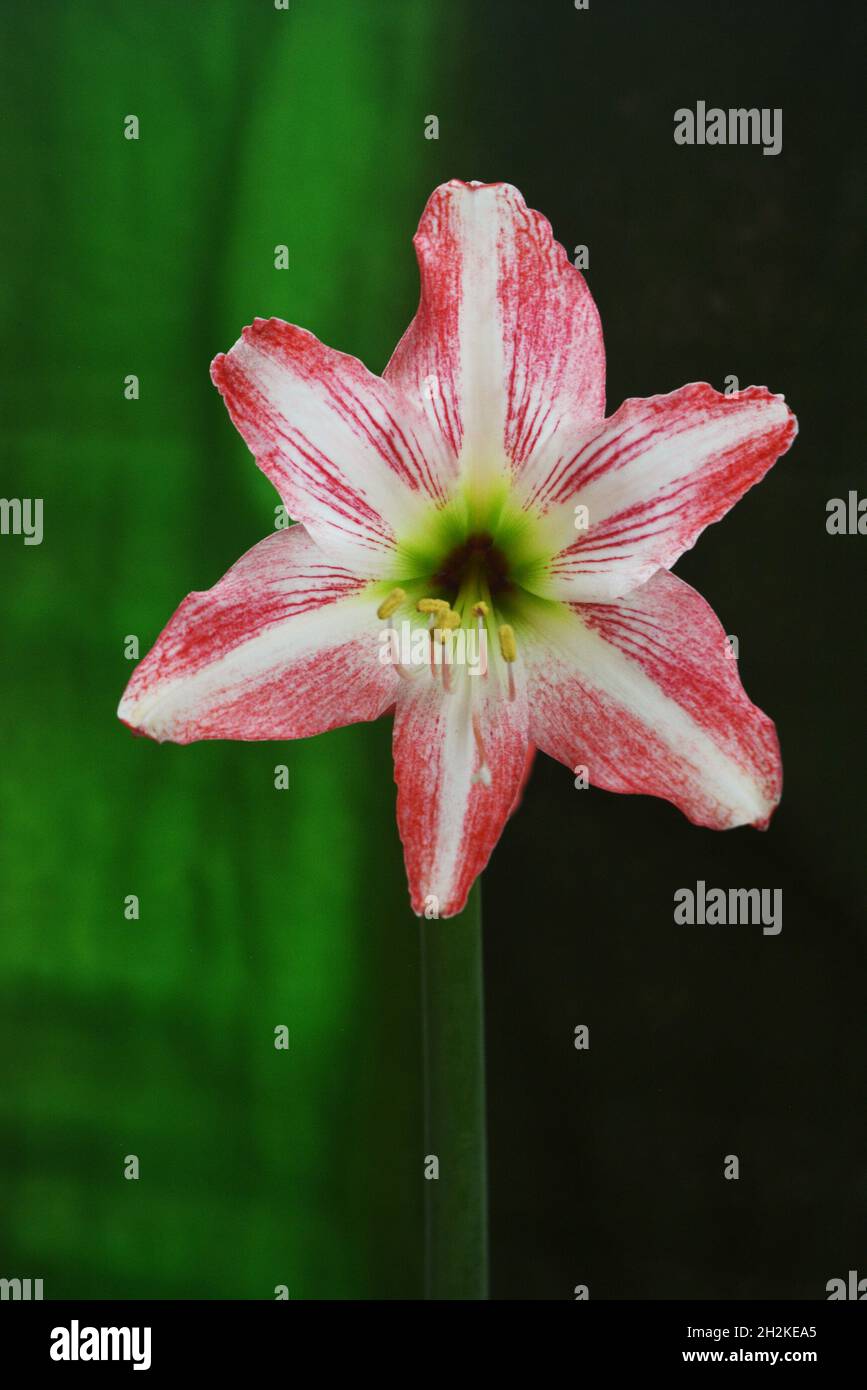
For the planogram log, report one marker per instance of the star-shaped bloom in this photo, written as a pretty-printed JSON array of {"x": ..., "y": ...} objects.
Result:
[{"x": 476, "y": 493}]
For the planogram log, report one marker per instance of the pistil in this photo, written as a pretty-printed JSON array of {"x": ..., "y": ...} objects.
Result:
[{"x": 484, "y": 773}]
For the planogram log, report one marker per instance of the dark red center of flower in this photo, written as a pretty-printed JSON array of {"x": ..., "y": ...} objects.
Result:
[{"x": 478, "y": 556}]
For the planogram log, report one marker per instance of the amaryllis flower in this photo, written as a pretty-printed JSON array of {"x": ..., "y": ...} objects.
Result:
[{"x": 477, "y": 488}]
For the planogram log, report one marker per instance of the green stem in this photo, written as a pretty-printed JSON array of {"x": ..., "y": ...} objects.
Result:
[{"x": 456, "y": 1202}]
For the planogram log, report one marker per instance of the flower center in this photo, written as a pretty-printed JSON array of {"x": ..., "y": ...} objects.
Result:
[
  {"x": 461, "y": 596},
  {"x": 478, "y": 562}
]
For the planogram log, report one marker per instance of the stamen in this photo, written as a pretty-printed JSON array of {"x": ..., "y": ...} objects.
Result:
[
  {"x": 395, "y": 649},
  {"x": 432, "y": 605},
  {"x": 508, "y": 646},
  {"x": 391, "y": 603},
  {"x": 484, "y": 773},
  {"x": 509, "y": 652},
  {"x": 446, "y": 622},
  {"x": 481, "y": 612},
  {"x": 442, "y": 623},
  {"x": 402, "y": 671}
]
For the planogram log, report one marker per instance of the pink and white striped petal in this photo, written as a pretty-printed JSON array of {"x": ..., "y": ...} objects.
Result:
[
  {"x": 643, "y": 694},
  {"x": 651, "y": 479},
  {"x": 284, "y": 646},
  {"x": 351, "y": 458},
  {"x": 505, "y": 352},
  {"x": 448, "y": 817}
]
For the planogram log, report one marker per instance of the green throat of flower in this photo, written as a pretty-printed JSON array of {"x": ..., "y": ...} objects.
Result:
[
  {"x": 469, "y": 581},
  {"x": 479, "y": 547},
  {"x": 460, "y": 585}
]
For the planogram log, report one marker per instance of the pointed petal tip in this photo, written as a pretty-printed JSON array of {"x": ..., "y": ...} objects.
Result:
[
  {"x": 508, "y": 203},
  {"x": 762, "y": 394},
  {"x": 475, "y": 189},
  {"x": 473, "y": 185},
  {"x": 421, "y": 907},
  {"x": 217, "y": 370},
  {"x": 251, "y": 333},
  {"x": 129, "y": 713},
  {"x": 763, "y": 820},
  {"x": 268, "y": 325},
  {"x": 758, "y": 819},
  {"x": 133, "y": 728},
  {"x": 706, "y": 388},
  {"x": 453, "y": 189},
  {"x": 133, "y": 716}
]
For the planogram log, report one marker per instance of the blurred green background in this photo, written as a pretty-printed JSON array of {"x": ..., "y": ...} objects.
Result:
[{"x": 260, "y": 907}]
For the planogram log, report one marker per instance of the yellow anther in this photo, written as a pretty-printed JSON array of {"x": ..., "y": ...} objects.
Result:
[
  {"x": 432, "y": 605},
  {"x": 446, "y": 622},
  {"x": 508, "y": 646},
  {"x": 391, "y": 603},
  {"x": 481, "y": 609}
]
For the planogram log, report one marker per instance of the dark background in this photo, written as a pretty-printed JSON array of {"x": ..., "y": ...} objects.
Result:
[
  {"x": 705, "y": 1041},
  {"x": 155, "y": 1038}
]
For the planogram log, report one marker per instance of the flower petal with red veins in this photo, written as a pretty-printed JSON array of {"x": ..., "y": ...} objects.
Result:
[
  {"x": 350, "y": 457},
  {"x": 652, "y": 478},
  {"x": 449, "y": 823},
  {"x": 643, "y": 693},
  {"x": 505, "y": 351},
  {"x": 284, "y": 646}
]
